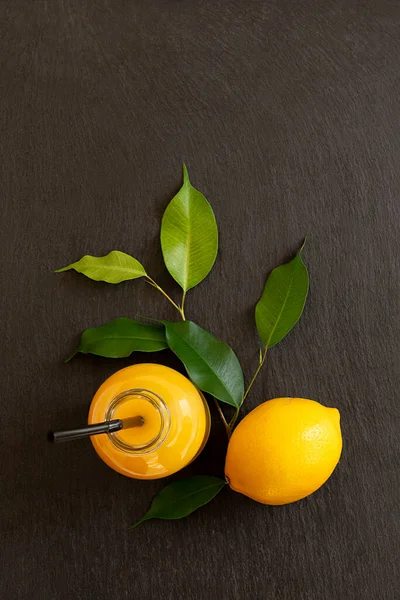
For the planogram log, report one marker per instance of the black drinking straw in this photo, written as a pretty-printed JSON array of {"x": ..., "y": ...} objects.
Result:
[{"x": 95, "y": 429}]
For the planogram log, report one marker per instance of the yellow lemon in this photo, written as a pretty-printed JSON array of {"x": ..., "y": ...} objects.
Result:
[{"x": 284, "y": 450}]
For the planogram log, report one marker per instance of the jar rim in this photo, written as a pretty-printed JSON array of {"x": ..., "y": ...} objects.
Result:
[{"x": 165, "y": 420}]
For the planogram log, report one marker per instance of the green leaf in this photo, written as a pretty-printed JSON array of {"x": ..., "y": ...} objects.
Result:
[
  {"x": 189, "y": 236},
  {"x": 113, "y": 268},
  {"x": 180, "y": 498},
  {"x": 121, "y": 337},
  {"x": 282, "y": 301},
  {"x": 211, "y": 364}
]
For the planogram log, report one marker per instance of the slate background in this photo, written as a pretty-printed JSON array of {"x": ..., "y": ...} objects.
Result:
[{"x": 287, "y": 113}]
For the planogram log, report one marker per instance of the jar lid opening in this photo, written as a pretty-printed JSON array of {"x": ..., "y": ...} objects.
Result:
[{"x": 139, "y": 436}]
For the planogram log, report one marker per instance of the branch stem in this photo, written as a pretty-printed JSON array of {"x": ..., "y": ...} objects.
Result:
[
  {"x": 174, "y": 304},
  {"x": 182, "y": 311},
  {"x": 221, "y": 414},
  {"x": 263, "y": 356}
]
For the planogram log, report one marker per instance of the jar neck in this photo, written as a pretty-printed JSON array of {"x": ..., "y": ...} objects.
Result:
[{"x": 145, "y": 434}]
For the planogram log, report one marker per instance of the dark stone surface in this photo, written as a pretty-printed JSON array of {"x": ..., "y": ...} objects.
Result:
[{"x": 287, "y": 113}]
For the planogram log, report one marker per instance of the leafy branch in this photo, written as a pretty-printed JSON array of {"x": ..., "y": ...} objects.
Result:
[{"x": 189, "y": 243}]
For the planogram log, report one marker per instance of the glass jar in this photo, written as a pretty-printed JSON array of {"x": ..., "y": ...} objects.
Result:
[{"x": 173, "y": 428}]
